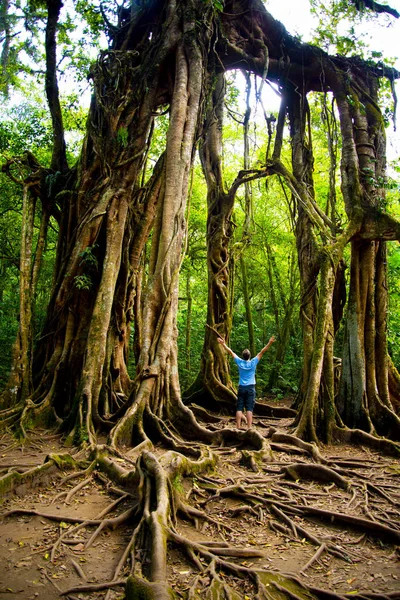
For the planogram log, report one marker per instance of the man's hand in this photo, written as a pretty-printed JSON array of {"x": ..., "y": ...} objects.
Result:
[
  {"x": 271, "y": 341},
  {"x": 223, "y": 344}
]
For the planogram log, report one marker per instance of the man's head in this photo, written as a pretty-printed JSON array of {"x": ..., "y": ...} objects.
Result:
[{"x": 246, "y": 354}]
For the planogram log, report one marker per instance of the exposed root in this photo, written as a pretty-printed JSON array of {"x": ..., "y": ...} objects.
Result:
[
  {"x": 358, "y": 437},
  {"x": 269, "y": 410},
  {"x": 94, "y": 587},
  {"x": 204, "y": 415},
  {"x": 316, "y": 473},
  {"x": 18, "y": 482},
  {"x": 151, "y": 503},
  {"x": 286, "y": 438},
  {"x": 79, "y": 570},
  {"x": 372, "y": 527}
]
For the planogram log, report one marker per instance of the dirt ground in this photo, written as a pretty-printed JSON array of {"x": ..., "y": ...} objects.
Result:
[{"x": 35, "y": 563}]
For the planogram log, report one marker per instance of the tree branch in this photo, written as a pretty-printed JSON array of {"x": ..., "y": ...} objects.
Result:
[{"x": 59, "y": 158}]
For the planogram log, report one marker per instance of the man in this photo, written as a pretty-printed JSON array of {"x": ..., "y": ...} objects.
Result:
[{"x": 247, "y": 381}]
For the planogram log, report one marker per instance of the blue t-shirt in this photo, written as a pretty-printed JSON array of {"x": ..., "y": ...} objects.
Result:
[{"x": 247, "y": 370}]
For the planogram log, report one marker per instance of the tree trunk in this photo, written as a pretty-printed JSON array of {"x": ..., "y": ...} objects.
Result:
[
  {"x": 307, "y": 424},
  {"x": 157, "y": 388},
  {"x": 21, "y": 375},
  {"x": 213, "y": 384},
  {"x": 364, "y": 399},
  {"x": 80, "y": 363},
  {"x": 59, "y": 157},
  {"x": 307, "y": 250}
]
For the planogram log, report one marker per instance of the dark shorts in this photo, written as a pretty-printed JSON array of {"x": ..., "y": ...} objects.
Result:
[{"x": 246, "y": 397}]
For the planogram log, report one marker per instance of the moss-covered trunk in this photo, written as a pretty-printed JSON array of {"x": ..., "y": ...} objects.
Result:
[
  {"x": 157, "y": 384},
  {"x": 364, "y": 399}
]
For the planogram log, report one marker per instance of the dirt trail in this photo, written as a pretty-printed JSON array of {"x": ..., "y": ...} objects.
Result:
[{"x": 368, "y": 564}]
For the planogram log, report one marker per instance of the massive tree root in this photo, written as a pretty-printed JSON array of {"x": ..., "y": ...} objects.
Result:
[{"x": 191, "y": 508}]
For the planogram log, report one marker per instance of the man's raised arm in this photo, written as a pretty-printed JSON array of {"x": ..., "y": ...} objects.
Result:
[
  {"x": 222, "y": 342},
  {"x": 271, "y": 341}
]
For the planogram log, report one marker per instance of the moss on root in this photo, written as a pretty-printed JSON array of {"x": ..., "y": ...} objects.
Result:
[
  {"x": 281, "y": 587},
  {"x": 139, "y": 589},
  {"x": 17, "y": 482}
]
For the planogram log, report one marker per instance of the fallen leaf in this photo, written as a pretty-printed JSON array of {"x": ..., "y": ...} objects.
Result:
[{"x": 79, "y": 547}]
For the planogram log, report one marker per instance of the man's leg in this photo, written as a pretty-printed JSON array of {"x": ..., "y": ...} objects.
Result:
[
  {"x": 250, "y": 401},
  {"x": 249, "y": 417},
  {"x": 240, "y": 405}
]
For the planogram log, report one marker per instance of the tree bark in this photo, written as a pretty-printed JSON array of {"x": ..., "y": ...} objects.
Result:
[
  {"x": 59, "y": 157},
  {"x": 213, "y": 384}
]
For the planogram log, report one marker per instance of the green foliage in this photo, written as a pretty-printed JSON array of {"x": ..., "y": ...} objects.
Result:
[
  {"x": 89, "y": 265},
  {"x": 336, "y": 31},
  {"x": 122, "y": 136},
  {"x": 88, "y": 259},
  {"x": 79, "y": 37},
  {"x": 93, "y": 21},
  {"x": 217, "y": 5},
  {"x": 83, "y": 282},
  {"x": 25, "y": 127}
]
